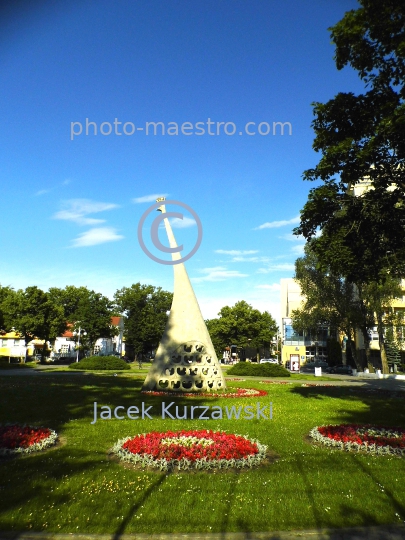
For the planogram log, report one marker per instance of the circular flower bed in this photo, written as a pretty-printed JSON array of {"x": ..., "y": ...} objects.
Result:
[
  {"x": 200, "y": 449},
  {"x": 17, "y": 439},
  {"x": 234, "y": 393},
  {"x": 376, "y": 440},
  {"x": 274, "y": 382}
]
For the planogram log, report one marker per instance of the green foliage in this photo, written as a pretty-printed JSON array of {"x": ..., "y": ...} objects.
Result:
[
  {"x": 241, "y": 325},
  {"x": 145, "y": 308},
  {"x": 33, "y": 313},
  {"x": 361, "y": 137},
  {"x": 69, "y": 298},
  {"x": 110, "y": 363},
  {"x": 93, "y": 317},
  {"x": 258, "y": 370}
]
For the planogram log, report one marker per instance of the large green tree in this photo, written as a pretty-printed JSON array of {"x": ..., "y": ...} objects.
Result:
[
  {"x": 4, "y": 292},
  {"x": 242, "y": 325},
  {"x": 92, "y": 319},
  {"x": 145, "y": 315},
  {"x": 360, "y": 137},
  {"x": 34, "y": 314},
  {"x": 329, "y": 300}
]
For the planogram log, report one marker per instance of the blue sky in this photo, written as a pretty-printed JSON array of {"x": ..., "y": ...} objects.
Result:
[{"x": 71, "y": 203}]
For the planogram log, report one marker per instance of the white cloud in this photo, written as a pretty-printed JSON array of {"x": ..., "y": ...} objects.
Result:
[
  {"x": 273, "y": 287},
  {"x": 298, "y": 249},
  {"x": 76, "y": 210},
  {"x": 98, "y": 235},
  {"x": 178, "y": 223},
  {"x": 149, "y": 198},
  {"x": 276, "y": 224},
  {"x": 236, "y": 251},
  {"x": 250, "y": 259},
  {"x": 42, "y": 192},
  {"x": 284, "y": 267},
  {"x": 217, "y": 273},
  {"x": 210, "y": 306}
]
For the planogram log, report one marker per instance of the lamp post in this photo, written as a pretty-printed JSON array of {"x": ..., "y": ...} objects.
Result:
[{"x": 78, "y": 345}]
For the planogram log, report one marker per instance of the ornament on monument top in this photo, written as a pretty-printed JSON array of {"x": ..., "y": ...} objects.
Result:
[{"x": 185, "y": 360}]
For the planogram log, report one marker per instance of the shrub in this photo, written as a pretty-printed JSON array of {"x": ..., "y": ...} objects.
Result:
[
  {"x": 100, "y": 363},
  {"x": 258, "y": 370}
]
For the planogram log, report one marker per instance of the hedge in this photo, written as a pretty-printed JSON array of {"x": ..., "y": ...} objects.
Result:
[
  {"x": 258, "y": 370},
  {"x": 100, "y": 363}
]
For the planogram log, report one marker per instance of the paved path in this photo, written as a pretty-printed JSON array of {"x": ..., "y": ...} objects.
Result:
[{"x": 394, "y": 532}]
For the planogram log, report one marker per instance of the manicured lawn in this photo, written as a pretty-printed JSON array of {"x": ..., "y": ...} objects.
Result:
[{"x": 78, "y": 488}]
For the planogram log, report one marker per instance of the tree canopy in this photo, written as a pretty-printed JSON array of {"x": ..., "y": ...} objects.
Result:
[
  {"x": 145, "y": 309},
  {"x": 33, "y": 313},
  {"x": 357, "y": 214},
  {"x": 241, "y": 325},
  {"x": 361, "y": 137}
]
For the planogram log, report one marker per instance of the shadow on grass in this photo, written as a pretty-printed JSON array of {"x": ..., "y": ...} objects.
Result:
[
  {"x": 145, "y": 496},
  {"x": 54, "y": 401},
  {"x": 383, "y": 404}
]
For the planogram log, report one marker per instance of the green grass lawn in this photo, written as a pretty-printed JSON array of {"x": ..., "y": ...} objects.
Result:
[{"x": 78, "y": 488}]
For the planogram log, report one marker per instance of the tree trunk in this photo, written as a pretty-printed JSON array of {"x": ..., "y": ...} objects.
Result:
[
  {"x": 352, "y": 346},
  {"x": 366, "y": 338},
  {"x": 43, "y": 352},
  {"x": 383, "y": 350}
]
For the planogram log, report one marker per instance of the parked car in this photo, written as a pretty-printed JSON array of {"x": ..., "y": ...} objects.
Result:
[
  {"x": 340, "y": 368},
  {"x": 268, "y": 361},
  {"x": 309, "y": 367}
]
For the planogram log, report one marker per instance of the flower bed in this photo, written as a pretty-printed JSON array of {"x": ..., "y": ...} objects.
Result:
[
  {"x": 17, "y": 439},
  {"x": 319, "y": 384},
  {"x": 275, "y": 382},
  {"x": 376, "y": 440},
  {"x": 237, "y": 393},
  {"x": 198, "y": 449}
]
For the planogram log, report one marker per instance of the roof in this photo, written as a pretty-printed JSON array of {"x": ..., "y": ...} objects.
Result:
[{"x": 11, "y": 335}]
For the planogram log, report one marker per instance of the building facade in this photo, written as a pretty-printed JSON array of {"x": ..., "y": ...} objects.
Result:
[{"x": 297, "y": 348}]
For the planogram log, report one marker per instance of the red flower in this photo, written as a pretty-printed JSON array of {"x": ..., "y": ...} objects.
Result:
[
  {"x": 191, "y": 445},
  {"x": 16, "y": 436}
]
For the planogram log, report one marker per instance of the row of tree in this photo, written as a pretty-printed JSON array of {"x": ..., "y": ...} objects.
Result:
[
  {"x": 48, "y": 314},
  {"x": 45, "y": 315},
  {"x": 355, "y": 255}
]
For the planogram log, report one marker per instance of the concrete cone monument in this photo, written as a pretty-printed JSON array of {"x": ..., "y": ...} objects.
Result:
[{"x": 185, "y": 360}]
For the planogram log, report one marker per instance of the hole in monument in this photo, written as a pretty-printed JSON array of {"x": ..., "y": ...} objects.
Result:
[
  {"x": 198, "y": 384},
  {"x": 199, "y": 348},
  {"x": 219, "y": 384},
  {"x": 215, "y": 371},
  {"x": 176, "y": 359},
  {"x": 187, "y": 384},
  {"x": 163, "y": 383},
  {"x": 193, "y": 371},
  {"x": 187, "y": 347},
  {"x": 198, "y": 359},
  {"x": 210, "y": 384},
  {"x": 181, "y": 370},
  {"x": 175, "y": 385},
  {"x": 187, "y": 359},
  {"x": 169, "y": 371},
  {"x": 205, "y": 371},
  {"x": 208, "y": 360}
]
